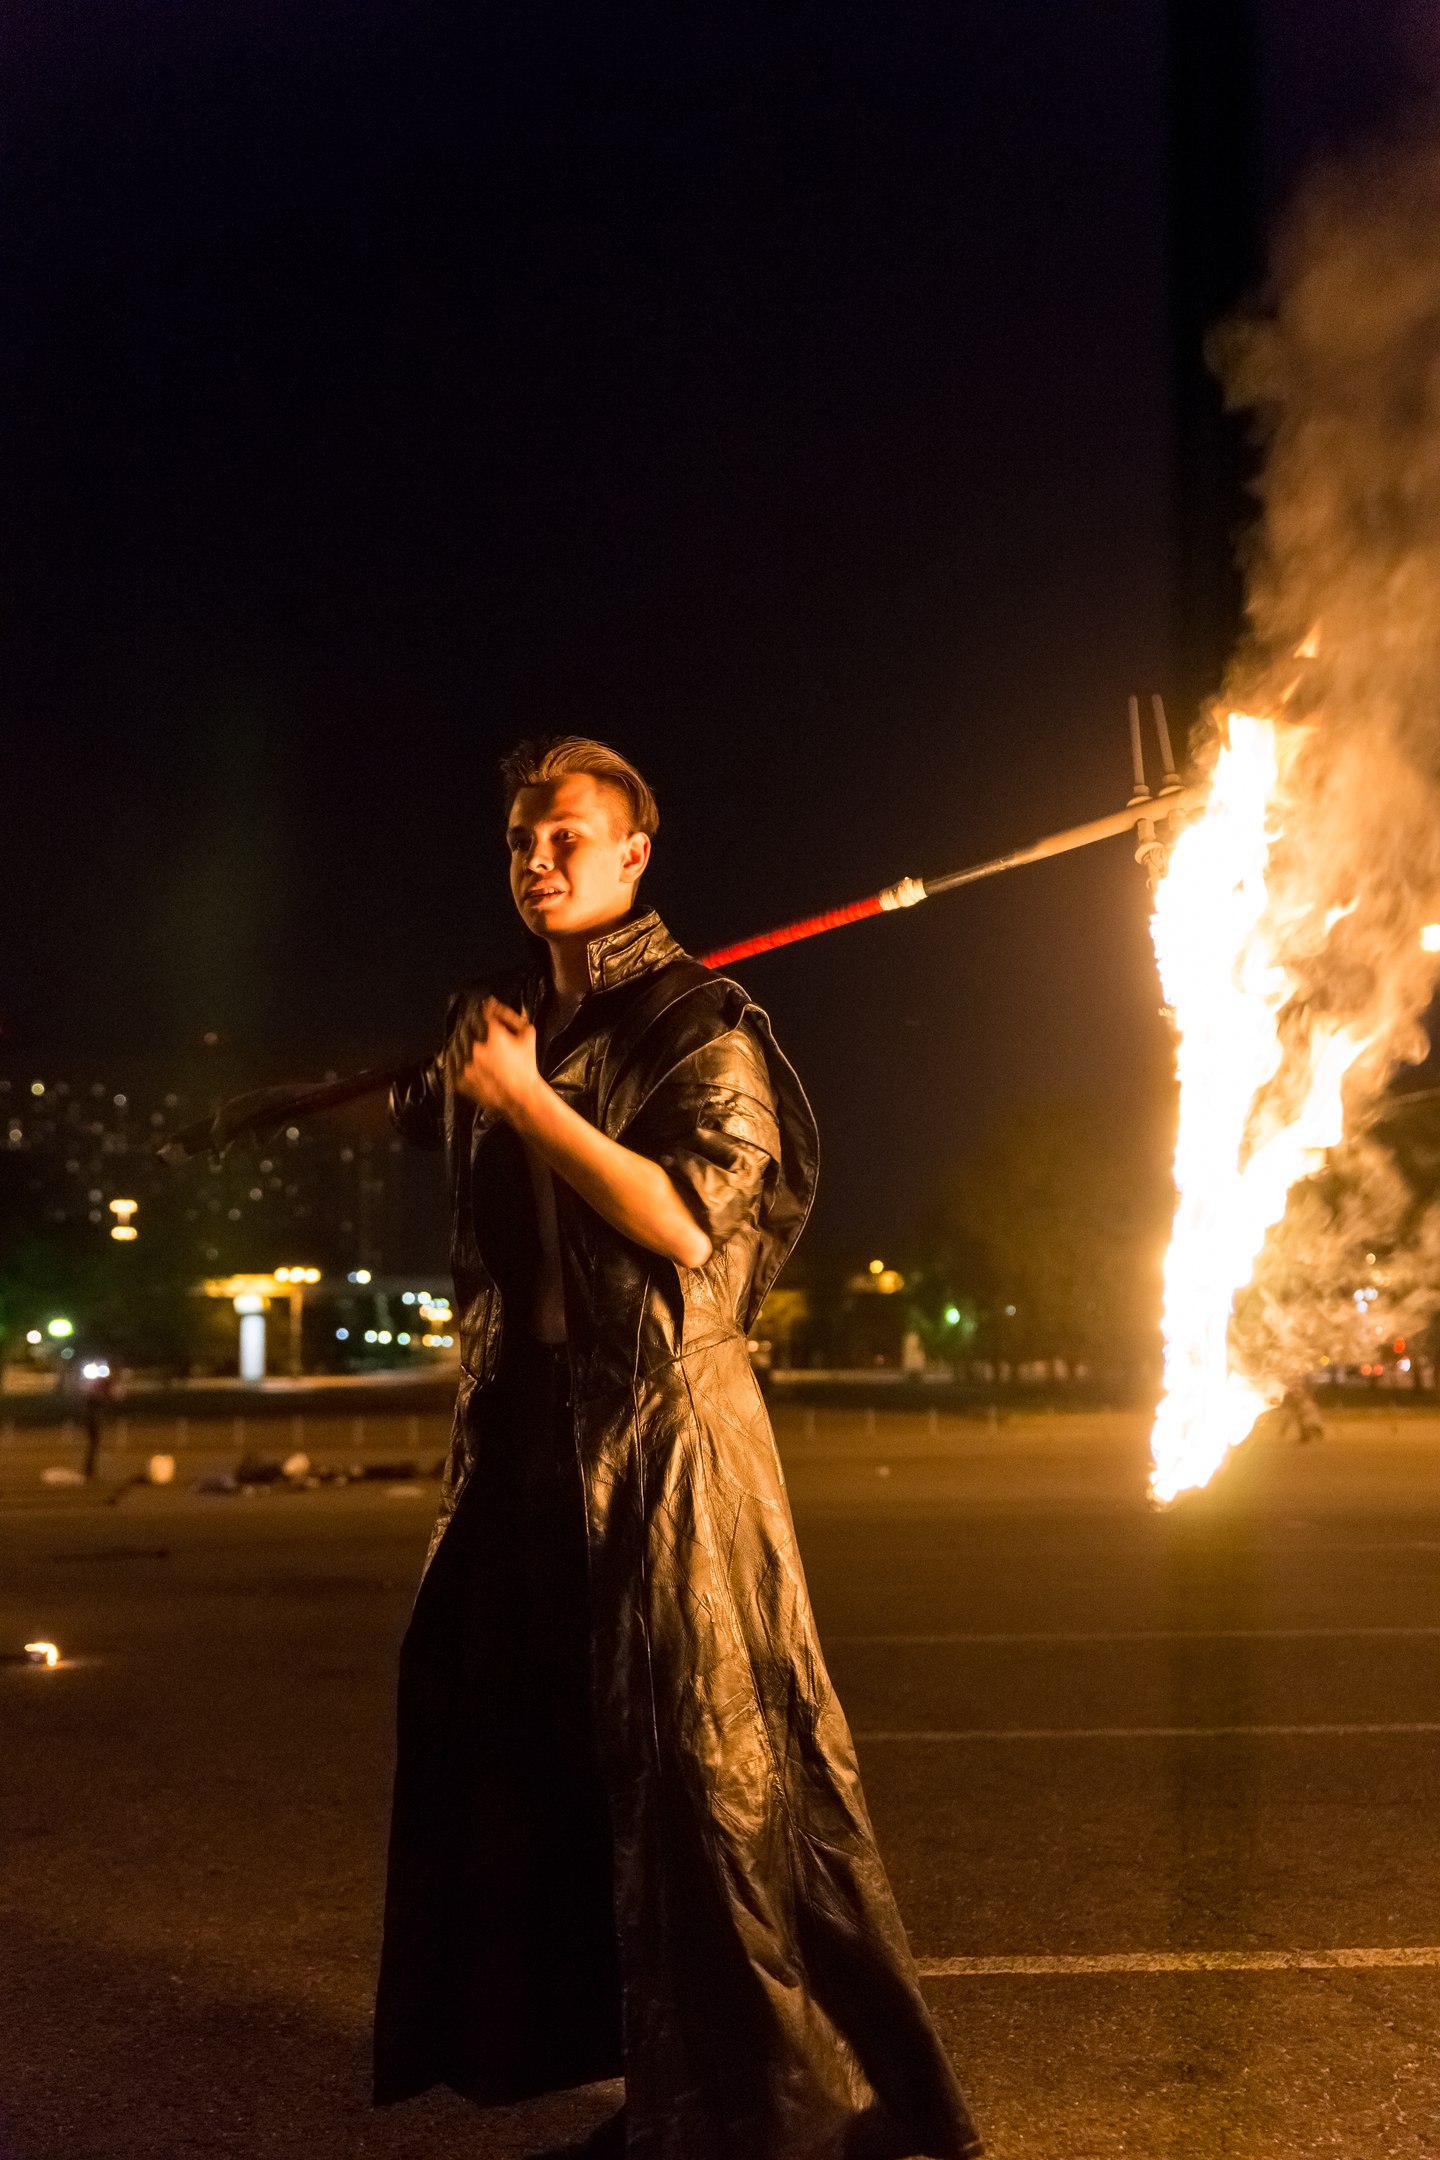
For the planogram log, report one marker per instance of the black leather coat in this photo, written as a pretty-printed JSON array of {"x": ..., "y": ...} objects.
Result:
[{"x": 769, "y": 2004}]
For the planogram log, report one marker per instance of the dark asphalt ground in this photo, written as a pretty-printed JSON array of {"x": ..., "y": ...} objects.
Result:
[{"x": 194, "y": 1804}]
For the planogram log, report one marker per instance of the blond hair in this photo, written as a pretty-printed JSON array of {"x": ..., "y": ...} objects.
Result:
[{"x": 553, "y": 757}]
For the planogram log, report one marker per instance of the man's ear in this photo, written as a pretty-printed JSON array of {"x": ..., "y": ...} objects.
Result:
[{"x": 635, "y": 856}]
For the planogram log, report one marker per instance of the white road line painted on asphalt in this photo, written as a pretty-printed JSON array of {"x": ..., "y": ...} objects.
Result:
[
  {"x": 1146, "y": 1635},
  {"x": 1152, "y": 1732},
  {"x": 1176, "y": 1961}
]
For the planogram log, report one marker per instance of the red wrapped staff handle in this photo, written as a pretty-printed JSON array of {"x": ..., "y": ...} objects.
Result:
[{"x": 791, "y": 933}]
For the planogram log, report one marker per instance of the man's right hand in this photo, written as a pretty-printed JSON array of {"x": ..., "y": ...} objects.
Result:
[{"x": 501, "y": 1073}]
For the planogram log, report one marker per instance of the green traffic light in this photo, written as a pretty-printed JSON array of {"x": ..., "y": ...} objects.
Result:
[{"x": 61, "y": 1327}]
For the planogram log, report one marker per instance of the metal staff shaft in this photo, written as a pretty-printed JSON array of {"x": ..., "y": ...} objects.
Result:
[{"x": 910, "y": 891}]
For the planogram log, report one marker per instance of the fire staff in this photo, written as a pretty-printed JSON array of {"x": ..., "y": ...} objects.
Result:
[{"x": 628, "y": 1835}]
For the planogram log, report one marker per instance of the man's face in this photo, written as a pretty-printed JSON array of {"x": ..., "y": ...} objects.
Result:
[{"x": 573, "y": 867}]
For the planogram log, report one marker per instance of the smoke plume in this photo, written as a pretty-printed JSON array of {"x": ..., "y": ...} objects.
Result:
[{"x": 1339, "y": 368}]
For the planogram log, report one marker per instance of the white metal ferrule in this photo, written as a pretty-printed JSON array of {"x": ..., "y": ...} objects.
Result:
[{"x": 907, "y": 893}]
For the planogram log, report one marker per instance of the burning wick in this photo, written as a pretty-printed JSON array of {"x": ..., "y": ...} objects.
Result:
[
  {"x": 42, "y": 1653},
  {"x": 1430, "y": 937}
]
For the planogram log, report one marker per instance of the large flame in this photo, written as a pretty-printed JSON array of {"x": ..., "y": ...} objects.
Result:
[
  {"x": 1242, "y": 1142},
  {"x": 1298, "y": 927}
]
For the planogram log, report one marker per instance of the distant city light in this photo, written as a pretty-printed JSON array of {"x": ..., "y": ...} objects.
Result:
[
  {"x": 37, "y": 1087},
  {"x": 1009, "y": 1312},
  {"x": 402, "y": 1338},
  {"x": 124, "y": 1230},
  {"x": 407, "y": 1297},
  {"x": 120, "y": 1101},
  {"x": 59, "y": 1327},
  {"x": 96, "y": 1371},
  {"x": 42, "y": 1653},
  {"x": 383, "y": 1336},
  {"x": 877, "y": 1267},
  {"x": 33, "y": 1335},
  {"x": 359, "y": 1274},
  {"x": 370, "y": 1335},
  {"x": 342, "y": 1334},
  {"x": 952, "y": 1316}
]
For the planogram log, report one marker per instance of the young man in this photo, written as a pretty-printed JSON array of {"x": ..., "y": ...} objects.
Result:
[{"x": 628, "y": 1834}]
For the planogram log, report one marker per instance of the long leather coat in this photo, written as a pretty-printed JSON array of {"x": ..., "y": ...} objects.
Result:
[{"x": 769, "y": 2004}]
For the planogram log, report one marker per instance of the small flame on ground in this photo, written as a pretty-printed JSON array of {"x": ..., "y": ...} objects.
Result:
[{"x": 1216, "y": 947}]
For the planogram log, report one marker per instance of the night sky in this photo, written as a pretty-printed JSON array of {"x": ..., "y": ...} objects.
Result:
[{"x": 785, "y": 394}]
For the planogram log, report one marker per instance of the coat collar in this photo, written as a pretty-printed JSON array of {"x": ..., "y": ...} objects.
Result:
[{"x": 631, "y": 948}]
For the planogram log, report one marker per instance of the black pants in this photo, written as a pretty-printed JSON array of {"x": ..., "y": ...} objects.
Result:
[{"x": 500, "y": 1931}]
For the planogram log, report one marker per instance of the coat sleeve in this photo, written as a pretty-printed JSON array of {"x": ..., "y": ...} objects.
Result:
[
  {"x": 711, "y": 1122},
  {"x": 417, "y": 1102},
  {"x": 417, "y": 1097}
]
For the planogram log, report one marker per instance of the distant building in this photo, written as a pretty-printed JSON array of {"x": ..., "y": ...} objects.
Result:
[{"x": 78, "y": 1140}]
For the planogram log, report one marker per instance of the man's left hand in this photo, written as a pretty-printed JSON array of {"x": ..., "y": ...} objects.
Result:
[{"x": 501, "y": 1074}]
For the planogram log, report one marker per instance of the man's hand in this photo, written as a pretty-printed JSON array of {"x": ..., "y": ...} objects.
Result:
[
  {"x": 500, "y": 1073},
  {"x": 495, "y": 1066}
]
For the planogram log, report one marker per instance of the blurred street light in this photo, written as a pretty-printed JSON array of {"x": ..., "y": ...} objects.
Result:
[
  {"x": 124, "y": 1230},
  {"x": 295, "y": 1280}
]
